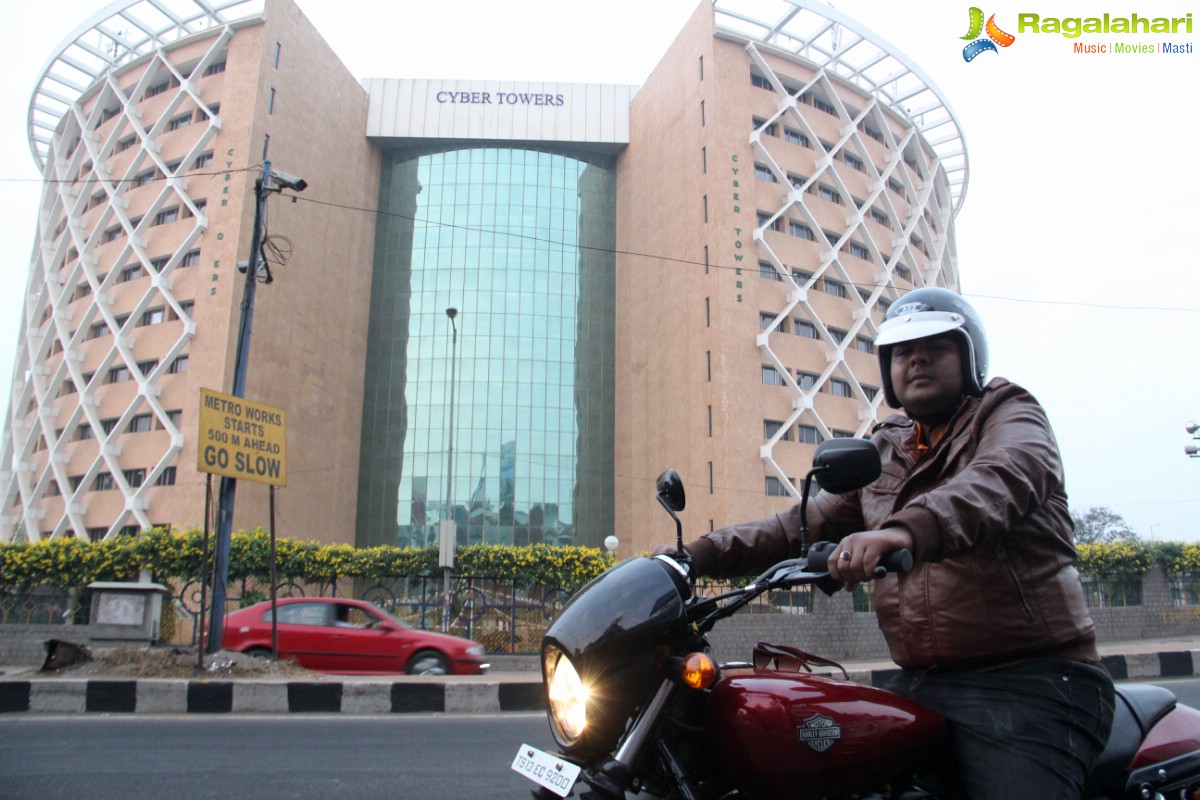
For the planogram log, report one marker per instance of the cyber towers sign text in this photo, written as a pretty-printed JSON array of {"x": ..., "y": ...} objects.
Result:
[{"x": 501, "y": 98}]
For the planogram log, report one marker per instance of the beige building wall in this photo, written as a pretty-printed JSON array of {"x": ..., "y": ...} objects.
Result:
[
  {"x": 282, "y": 93},
  {"x": 717, "y": 281}
]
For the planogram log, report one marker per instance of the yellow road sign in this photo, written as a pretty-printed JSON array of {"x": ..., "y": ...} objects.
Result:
[{"x": 241, "y": 439}]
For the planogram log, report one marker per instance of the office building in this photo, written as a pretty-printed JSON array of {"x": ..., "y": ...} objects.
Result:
[{"x": 683, "y": 274}]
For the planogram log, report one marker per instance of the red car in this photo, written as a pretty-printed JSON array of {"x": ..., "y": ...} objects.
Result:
[{"x": 351, "y": 637}]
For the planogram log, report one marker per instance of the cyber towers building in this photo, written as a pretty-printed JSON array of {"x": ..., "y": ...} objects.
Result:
[{"x": 684, "y": 274}]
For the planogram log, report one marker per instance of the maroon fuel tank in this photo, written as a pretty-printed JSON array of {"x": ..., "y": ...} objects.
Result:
[{"x": 780, "y": 734}]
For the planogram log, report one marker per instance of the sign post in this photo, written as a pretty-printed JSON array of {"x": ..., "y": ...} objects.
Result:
[{"x": 241, "y": 440}]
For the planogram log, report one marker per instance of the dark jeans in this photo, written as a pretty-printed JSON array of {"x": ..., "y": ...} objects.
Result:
[{"x": 1031, "y": 731}]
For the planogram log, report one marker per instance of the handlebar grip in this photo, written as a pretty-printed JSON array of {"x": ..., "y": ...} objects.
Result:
[{"x": 896, "y": 561}]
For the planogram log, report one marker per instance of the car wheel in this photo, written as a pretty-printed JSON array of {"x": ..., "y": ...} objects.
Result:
[
  {"x": 259, "y": 652},
  {"x": 428, "y": 662}
]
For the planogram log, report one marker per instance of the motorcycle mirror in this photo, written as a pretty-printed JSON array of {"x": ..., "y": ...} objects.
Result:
[
  {"x": 670, "y": 490},
  {"x": 843, "y": 465}
]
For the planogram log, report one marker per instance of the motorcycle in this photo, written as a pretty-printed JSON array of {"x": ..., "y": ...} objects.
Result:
[{"x": 639, "y": 708}]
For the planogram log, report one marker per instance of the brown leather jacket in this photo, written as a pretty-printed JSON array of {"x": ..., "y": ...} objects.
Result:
[{"x": 994, "y": 581}]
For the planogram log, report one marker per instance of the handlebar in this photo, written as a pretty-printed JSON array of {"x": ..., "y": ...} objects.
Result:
[{"x": 896, "y": 561}]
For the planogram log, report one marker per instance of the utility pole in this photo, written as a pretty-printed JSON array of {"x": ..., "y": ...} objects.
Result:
[{"x": 228, "y": 489}]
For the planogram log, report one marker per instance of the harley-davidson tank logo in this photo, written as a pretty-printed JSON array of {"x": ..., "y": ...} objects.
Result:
[{"x": 818, "y": 732}]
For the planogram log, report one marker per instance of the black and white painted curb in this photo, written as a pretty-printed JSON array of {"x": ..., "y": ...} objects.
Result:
[
  {"x": 160, "y": 696},
  {"x": 483, "y": 696}
]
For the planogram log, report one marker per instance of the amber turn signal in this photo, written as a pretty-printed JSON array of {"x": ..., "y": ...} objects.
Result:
[{"x": 698, "y": 671}]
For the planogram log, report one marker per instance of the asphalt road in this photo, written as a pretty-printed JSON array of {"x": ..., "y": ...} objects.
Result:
[{"x": 309, "y": 757}]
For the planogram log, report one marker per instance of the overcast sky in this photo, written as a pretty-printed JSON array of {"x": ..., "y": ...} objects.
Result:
[{"x": 1076, "y": 240}]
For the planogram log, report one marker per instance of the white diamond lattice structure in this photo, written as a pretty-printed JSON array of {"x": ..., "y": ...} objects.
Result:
[
  {"x": 875, "y": 93},
  {"x": 91, "y": 164}
]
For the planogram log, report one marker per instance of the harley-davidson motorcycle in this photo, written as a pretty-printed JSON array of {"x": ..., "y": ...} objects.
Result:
[{"x": 639, "y": 708}]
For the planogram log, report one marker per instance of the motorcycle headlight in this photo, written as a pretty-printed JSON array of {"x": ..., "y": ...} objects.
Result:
[{"x": 566, "y": 695}]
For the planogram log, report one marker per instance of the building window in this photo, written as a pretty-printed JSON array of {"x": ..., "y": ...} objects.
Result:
[
  {"x": 828, "y": 193},
  {"x": 97, "y": 330},
  {"x": 182, "y": 121},
  {"x": 130, "y": 274},
  {"x": 796, "y": 137},
  {"x": 701, "y": 67},
  {"x": 179, "y": 365},
  {"x": 852, "y": 161},
  {"x": 807, "y": 434},
  {"x": 151, "y": 316},
  {"x": 864, "y": 345},
  {"x": 135, "y": 478},
  {"x": 166, "y": 215},
  {"x": 118, "y": 375},
  {"x": 763, "y": 173},
  {"x": 84, "y": 432},
  {"x": 104, "y": 482},
  {"x": 821, "y": 105},
  {"x": 271, "y": 101},
  {"x": 214, "y": 69},
  {"x": 837, "y": 334},
  {"x": 880, "y": 218},
  {"x": 838, "y": 434},
  {"x": 771, "y": 376},
  {"x": 804, "y": 328},
  {"x": 801, "y": 230},
  {"x": 840, "y": 388},
  {"x": 765, "y": 221},
  {"x": 765, "y": 270},
  {"x": 858, "y": 251},
  {"x": 883, "y": 305},
  {"x": 775, "y": 487},
  {"x": 870, "y": 391},
  {"x": 126, "y": 143},
  {"x": 146, "y": 367},
  {"x": 145, "y": 177},
  {"x": 175, "y": 417},
  {"x": 835, "y": 288},
  {"x": 772, "y": 427},
  {"x": 96, "y": 534},
  {"x": 202, "y": 161},
  {"x": 141, "y": 423},
  {"x": 896, "y": 187},
  {"x": 769, "y": 130},
  {"x": 191, "y": 259},
  {"x": 801, "y": 276},
  {"x": 113, "y": 233},
  {"x": 166, "y": 477},
  {"x": 807, "y": 380},
  {"x": 760, "y": 82},
  {"x": 903, "y": 272},
  {"x": 108, "y": 425}
]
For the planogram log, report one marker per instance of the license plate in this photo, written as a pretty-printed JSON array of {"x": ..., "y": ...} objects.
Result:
[{"x": 555, "y": 773}]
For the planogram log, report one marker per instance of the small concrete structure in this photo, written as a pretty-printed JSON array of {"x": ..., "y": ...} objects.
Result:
[{"x": 125, "y": 613}]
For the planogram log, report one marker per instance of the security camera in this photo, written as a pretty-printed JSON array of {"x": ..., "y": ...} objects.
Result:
[{"x": 286, "y": 180}]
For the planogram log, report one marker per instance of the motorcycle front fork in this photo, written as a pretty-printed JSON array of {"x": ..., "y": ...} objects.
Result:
[{"x": 619, "y": 774}]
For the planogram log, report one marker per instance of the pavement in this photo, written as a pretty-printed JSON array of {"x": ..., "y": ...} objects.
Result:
[{"x": 513, "y": 685}]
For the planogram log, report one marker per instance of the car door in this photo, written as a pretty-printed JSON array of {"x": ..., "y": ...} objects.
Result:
[
  {"x": 305, "y": 628},
  {"x": 361, "y": 643}
]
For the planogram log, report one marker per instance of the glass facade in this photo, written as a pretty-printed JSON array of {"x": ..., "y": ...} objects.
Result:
[{"x": 521, "y": 243}]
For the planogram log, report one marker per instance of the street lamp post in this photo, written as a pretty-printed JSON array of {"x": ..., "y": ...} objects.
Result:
[{"x": 447, "y": 529}]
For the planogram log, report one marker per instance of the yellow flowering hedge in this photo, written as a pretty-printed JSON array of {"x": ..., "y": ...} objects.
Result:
[
  {"x": 1123, "y": 558},
  {"x": 178, "y": 555}
]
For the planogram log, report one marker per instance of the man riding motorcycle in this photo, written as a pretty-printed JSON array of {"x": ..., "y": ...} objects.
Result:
[{"x": 990, "y": 628}]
